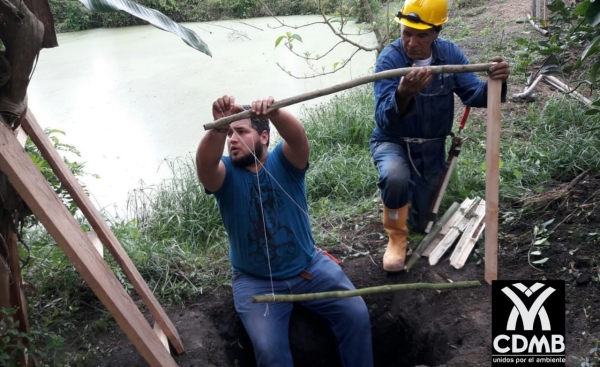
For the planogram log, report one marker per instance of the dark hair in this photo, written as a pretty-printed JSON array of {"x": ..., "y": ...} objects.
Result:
[{"x": 258, "y": 124}]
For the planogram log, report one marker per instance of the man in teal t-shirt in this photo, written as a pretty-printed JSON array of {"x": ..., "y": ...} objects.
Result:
[{"x": 262, "y": 200}]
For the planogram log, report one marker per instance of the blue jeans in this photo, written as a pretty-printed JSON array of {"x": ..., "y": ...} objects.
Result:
[
  {"x": 400, "y": 184},
  {"x": 348, "y": 318}
]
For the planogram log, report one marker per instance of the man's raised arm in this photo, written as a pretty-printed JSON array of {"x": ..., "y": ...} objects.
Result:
[
  {"x": 210, "y": 169},
  {"x": 295, "y": 146}
]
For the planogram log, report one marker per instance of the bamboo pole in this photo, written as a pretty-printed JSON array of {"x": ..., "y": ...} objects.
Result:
[
  {"x": 388, "y": 74},
  {"x": 492, "y": 179},
  {"x": 431, "y": 235},
  {"x": 362, "y": 292}
]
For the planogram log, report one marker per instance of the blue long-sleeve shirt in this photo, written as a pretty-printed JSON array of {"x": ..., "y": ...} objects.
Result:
[{"x": 431, "y": 111}]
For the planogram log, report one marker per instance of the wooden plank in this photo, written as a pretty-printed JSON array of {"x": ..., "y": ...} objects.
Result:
[
  {"x": 21, "y": 135},
  {"x": 96, "y": 242},
  {"x": 453, "y": 222},
  {"x": 106, "y": 236},
  {"x": 9, "y": 254},
  {"x": 52, "y": 213},
  {"x": 161, "y": 335},
  {"x": 469, "y": 238},
  {"x": 453, "y": 233},
  {"x": 492, "y": 179},
  {"x": 443, "y": 246}
]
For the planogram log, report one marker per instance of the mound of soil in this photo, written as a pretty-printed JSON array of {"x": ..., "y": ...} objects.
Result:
[{"x": 416, "y": 328}]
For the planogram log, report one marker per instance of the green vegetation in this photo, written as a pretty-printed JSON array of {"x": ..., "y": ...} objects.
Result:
[
  {"x": 73, "y": 16},
  {"x": 36, "y": 344},
  {"x": 549, "y": 143},
  {"x": 76, "y": 168}
]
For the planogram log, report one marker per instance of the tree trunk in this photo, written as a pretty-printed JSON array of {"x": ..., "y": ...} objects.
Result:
[
  {"x": 23, "y": 40},
  {"x": 41, "y": 10},
  {"x": 10, "y": 254},
  {"x": 28, "y": 26}
]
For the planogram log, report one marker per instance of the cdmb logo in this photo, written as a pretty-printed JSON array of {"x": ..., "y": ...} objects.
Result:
[{"x": 528, "y": 323}]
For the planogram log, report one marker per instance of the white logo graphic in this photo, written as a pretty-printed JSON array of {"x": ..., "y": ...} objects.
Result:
[{"x": 528, "y": 315}]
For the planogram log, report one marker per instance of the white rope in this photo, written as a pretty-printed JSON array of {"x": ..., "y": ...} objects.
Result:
[
  {"x": 262, "y": 211},
  {"x": 302, "y": 209}
]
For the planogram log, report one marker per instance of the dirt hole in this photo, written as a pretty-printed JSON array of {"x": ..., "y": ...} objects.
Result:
[{"x": 399, "y": 339}]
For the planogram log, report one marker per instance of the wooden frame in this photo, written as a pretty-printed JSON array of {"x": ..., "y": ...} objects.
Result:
[
  {"x": 102, "y": 230},
  {"x": 27, "y": 180}
]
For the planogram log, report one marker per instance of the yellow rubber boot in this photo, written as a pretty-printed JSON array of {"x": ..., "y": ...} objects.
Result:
[{"x": 394, "y": 223}]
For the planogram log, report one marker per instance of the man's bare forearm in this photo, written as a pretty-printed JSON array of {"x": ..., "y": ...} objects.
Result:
[{"x": 288, "y": 126}]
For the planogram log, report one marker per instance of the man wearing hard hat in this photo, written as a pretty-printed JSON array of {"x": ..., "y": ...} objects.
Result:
[{"x": 414, "y": 116}]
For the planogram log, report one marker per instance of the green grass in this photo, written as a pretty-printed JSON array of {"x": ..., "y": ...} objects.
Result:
[
  {"x": 339, "y": 131},
  {"x": 547, "y": 145},
  {"x": 178, "y": 212}
]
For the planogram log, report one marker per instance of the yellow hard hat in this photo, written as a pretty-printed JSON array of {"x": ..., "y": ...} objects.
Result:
[{"x": 423, "y": 14}]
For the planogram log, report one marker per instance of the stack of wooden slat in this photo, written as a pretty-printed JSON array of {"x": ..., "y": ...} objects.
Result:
[{"x": 464, "y": 228}]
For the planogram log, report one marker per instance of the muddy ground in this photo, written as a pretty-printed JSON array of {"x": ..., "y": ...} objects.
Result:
[{"x": 414, "y": 328}]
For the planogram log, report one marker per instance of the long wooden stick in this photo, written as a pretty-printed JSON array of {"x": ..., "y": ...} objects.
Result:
[
  {"x": 492, "y": 179},
  {"x": 388, "y": 74},
  {"x": 362, "y": 292}
]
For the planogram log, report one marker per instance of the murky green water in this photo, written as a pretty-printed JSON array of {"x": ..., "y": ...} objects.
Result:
[{"x": 129, "y": 98}]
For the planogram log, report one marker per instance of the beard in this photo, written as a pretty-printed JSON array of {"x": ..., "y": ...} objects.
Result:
[{"x": 248, "y": 159}]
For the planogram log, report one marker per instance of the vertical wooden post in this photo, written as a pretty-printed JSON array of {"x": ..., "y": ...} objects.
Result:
[
  {"x": 11, "y": 280},
  {"x": 492, "y": 179},
  {"x": 10, "y": 253}
]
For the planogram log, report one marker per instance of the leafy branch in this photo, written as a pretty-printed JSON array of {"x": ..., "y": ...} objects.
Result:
[{"x": 342, "y": 17}]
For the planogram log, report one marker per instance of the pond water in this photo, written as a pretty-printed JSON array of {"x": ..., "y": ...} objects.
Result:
[{"x": 129, "y": 98}]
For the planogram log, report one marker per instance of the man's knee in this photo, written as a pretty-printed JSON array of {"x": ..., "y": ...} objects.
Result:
[{"x": 395, "y": 177}]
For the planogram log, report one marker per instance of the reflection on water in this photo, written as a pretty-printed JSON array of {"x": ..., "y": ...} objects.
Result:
[{"x": 128, "y": 98}]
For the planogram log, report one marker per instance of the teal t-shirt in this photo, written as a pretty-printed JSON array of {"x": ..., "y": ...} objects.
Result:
[{"x": 288, "y": 232}]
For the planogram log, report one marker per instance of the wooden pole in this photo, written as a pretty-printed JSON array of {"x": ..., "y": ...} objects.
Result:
[
  {"x": 492, "y": 179},
  {"x": 362, "y": 292},
  {"x": 104, "y": 233},
  {"x": 16, "y": 295},
  {"x": 388, "y": 74}
]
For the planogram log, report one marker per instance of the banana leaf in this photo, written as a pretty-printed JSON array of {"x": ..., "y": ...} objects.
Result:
[{"x": 154, "y": 17}]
